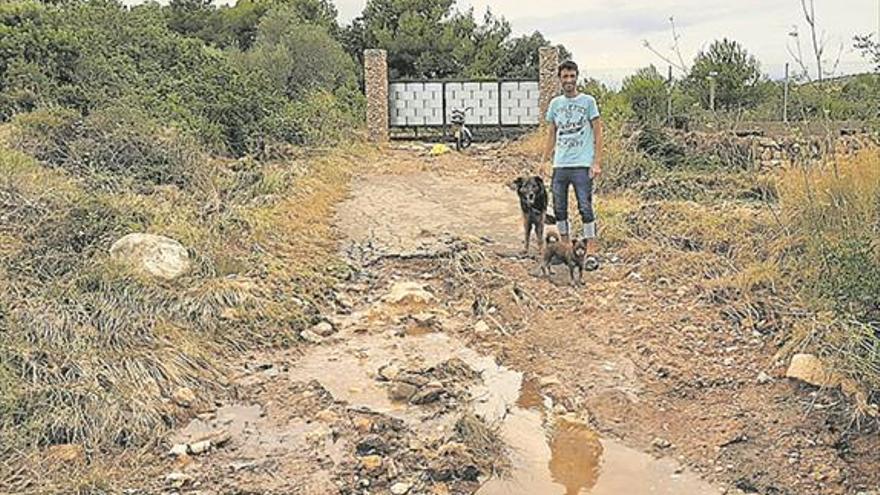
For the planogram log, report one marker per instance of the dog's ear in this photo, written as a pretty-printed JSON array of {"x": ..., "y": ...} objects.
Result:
[
  {"x": 517, "y": 183},
  {"x": 539, "y": 180}
]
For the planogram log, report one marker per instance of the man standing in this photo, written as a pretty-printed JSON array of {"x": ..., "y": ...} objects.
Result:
[{"x": 575, "y": 141}]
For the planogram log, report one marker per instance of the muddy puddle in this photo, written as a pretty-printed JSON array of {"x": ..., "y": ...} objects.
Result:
[
  {"x": 568, "y": 458},
  {"x": 357, "y": 363},
  {"x": 396, "y": 360},
  {"x": 550, "y": 455}
]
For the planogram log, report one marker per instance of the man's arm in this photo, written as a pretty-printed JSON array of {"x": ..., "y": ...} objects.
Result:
[
  {"x": 596, "y": 169},
  {"x": 548, "y": 148}
]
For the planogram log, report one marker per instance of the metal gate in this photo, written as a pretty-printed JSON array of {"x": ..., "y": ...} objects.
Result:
[{"x": 502, "y": 103}]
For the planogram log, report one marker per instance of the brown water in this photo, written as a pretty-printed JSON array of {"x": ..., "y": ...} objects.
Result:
[
  {"x": 568, "y": 458},
  {"x": 550, "y": 455}
]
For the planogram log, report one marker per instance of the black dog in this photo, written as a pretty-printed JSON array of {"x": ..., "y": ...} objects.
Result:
[{"x": 533, "y": 202}]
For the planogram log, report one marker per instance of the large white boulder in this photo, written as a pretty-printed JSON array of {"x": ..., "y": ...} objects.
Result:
[{"x": 156, "y": 255}]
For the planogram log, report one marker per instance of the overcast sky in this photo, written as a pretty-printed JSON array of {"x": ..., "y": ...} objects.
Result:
[{"x": 606, "y": 36}]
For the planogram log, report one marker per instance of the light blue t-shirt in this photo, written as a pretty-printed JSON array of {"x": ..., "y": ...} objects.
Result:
[{"x": 574, "y": 132}]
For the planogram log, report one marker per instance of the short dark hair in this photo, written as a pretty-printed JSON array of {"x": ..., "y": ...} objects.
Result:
[{"x": 567, "y": 65}]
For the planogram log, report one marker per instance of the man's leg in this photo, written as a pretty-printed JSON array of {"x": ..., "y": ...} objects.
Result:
[
  {"x": 559, "y": 185},
  {"x": 583, "y": 189}
]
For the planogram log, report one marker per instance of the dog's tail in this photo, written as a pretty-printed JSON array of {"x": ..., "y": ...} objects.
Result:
[{"x": 551, "y": 237}]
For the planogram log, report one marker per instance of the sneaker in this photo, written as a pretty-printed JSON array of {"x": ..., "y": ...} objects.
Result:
[{"x": 591, "y": 263}]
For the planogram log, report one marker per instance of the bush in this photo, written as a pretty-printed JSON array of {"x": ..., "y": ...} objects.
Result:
[
  {"x": 298, "y": 58},
  {"x": 834, "y": 215},
  {"x": 87, "y": 56},
  {"x": 647, "y": 95},
  {"x": 656, "y": 143},
  {"x": 110, "y": 144}
]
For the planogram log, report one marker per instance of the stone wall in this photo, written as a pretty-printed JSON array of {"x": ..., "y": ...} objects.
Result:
[{"x": 767, "y": 152}]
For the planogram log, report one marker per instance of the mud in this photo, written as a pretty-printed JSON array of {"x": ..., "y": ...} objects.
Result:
[{"x": 486, "y": 379}]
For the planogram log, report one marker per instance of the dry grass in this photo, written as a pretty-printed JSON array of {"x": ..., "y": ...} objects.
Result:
[
  {"x": 832, "y": 217},
  {"x": 484, "y": 445},
  {"x": 90, "y": 352},
  {"x": 795, "y": 250},
  {"x": 807, "y": 266}
]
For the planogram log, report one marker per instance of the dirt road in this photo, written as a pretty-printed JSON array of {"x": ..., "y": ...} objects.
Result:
[{"x": 448, "y": 366}]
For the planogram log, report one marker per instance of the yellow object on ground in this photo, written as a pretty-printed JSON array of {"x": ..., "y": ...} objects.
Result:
[{"x": 439, "y": 149}]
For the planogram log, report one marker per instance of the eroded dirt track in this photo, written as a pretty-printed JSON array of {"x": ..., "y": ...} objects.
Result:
[{"x": 448, "y": 366}]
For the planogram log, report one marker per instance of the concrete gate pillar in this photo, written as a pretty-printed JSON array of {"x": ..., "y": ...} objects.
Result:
[
  {"x": 548, "y": 81},
  {"x": 376, "y": 86}
]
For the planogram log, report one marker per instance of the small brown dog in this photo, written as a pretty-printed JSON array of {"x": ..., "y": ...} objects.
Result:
[{"x": 559, "y": 251}]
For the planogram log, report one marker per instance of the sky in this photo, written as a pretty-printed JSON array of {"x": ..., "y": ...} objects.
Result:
[{"x": 606, "y": 37}]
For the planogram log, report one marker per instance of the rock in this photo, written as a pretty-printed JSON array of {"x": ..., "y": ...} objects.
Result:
[
  {"x": 344, "y": 301},
  {"x": 408, "y": 292},
  {"x": 371, "y": 462},
  {"x": 424, "y": 318},
  {"x": 548, "y": 381},
  {"x": 184, "y": 397},
  {"x": 481, "y": 327},
  {"x": 401, "y": 392},
  {"x": 179, "y": 450},
  {"x": 199, "y": 448},
  {"x": 242, "y": 465},
  {"x": 221, "y": 439},
  {"x": 156, "y": 255},
  {"x": 371, "y": 445},
  {"x": 311, "y": 337},
  {"x": 661, "y": 443},
  {"x": 66, "y": 453},
  {"x": 764, "y": 378},
  {"x": 324, "y": 329},
  {"x": 327, "y": 416},
  {"x": 363, "y": 425},
  {"x": 319, "y": 435},
  {"x": 440, "y": 489},
  {"x": 177, "y": 479},
  {"x": 809, "y": 369},
  {"x": 412, "y": 378},
  {"x": 400, "y": 488},
  {"x": 427, "y": 395},
  {"x": 389, "y": 372}
]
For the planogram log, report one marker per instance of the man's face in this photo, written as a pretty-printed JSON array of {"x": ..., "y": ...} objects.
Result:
[{"x": 569, "y": 80}]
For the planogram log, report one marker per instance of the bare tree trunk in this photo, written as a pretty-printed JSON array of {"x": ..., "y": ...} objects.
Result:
[{"x": 818, "y": 48}]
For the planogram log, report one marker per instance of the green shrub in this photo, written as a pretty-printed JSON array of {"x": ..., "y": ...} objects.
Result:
[
  {"x": 657, "y": 144},
  {"x": 110, "y": 144},
  {"x": 89, "y": 56}
]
